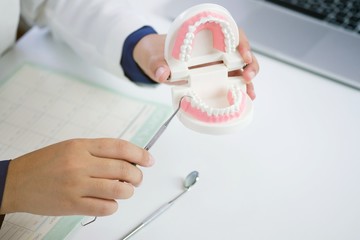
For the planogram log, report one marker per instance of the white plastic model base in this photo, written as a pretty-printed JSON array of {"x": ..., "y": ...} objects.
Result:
[{"x": 201, "y": 47}]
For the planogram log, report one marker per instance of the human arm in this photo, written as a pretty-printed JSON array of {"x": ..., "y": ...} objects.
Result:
[
  {"x": 100, "y": 30},
  {"x": 94, "y": 29},
  {"x": 74, "y": 177}
]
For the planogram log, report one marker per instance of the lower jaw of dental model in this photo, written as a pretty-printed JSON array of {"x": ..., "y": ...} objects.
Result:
[{"x": 200, "y": 110}]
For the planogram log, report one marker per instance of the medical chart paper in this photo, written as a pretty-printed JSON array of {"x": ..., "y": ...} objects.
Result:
[{"x": 39, "y": 107}]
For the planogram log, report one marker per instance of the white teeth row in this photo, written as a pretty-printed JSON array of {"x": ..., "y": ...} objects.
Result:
[
  {"x": 198, "y": 103},
  {"x": 229, "y": 38}
]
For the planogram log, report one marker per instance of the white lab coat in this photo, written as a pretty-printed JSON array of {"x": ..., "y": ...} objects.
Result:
[{"x": 94, "y": 29}]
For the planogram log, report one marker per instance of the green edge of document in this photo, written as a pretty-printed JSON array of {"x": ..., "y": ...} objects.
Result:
[
  {"x": 148, "y": 130},
  {"x": 63, "y": 227}
]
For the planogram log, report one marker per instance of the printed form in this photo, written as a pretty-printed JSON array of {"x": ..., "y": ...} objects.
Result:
[{"x": 39, "y": 107}]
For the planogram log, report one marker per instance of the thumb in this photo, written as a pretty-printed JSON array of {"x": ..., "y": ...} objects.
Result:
[{"x": 161, "y": 72}]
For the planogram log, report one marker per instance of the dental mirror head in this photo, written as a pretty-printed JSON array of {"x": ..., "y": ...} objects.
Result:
[
  {"x": 201, "y": 47},
  {"x": 191, "y": 179}
]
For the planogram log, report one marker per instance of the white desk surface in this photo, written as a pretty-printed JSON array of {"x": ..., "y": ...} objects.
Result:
[{"x": 294, "y": 173}]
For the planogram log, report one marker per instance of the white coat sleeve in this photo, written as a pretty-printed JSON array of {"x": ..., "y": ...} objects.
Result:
[{"x": 94, "y": 29}]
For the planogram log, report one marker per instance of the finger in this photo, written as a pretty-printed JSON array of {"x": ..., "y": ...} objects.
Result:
[
  {"x": 244, "y": 47},
  {"x": 90, "y": 206},
  {"x": 116, "y": 170},
  {"x": 161, "y": 72},
  {"x": 149, "y": 55},
  {"x": 251, "y": 70},
  {"x": 108, "y": 189},
  {"x": 250, "y": 90},
  {"x": 120, "y": 149},
  {"x": 159, "y": 69}
]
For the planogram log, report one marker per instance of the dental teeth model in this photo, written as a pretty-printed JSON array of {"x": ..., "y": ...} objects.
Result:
[{"x": 201, "y": 47}]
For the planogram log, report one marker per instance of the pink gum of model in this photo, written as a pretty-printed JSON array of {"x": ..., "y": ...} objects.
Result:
[
  {"x": 218, "y": 38},
  {"x": 203, "y": 116}
]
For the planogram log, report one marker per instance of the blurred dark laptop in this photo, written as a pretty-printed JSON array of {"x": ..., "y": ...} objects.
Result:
[{"x": 320, "y": 36}]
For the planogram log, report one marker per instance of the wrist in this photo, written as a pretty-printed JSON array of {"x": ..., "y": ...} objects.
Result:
[
  {"x": 4, "y": 168},
  {"x": 9, "y": 200},
  {"x": 129, "y": 65}
]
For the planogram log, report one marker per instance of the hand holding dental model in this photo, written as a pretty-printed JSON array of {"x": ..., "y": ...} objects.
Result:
[
  {"x": 198, "y": 38},
  {"x": 201, "y": 47},
  {"x": 149, "y": 55}
]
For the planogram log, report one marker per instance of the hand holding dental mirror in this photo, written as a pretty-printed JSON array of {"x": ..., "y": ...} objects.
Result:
[
  {"x": 153, "y": 140},
  {"x": 190, "y": 180}
]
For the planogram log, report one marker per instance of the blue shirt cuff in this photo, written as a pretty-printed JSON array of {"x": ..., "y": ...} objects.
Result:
[
  {"x": 4, "y": 165},
  {"x": 127, "y": 62}
]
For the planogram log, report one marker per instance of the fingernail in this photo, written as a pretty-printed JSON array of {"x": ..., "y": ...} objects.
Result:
[
  {"x": 253, "y": 96},
  {"x": 151, "y": 160},
  {"x": 251, "y": 75},
  {"x": 159, "y": 72},
  {"x": 248, "y": 57}
]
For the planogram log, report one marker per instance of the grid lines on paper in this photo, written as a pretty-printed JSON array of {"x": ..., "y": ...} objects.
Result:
[{"x": 39, "y": 107}]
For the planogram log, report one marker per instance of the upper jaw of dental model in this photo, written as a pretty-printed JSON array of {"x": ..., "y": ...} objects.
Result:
[
  {"x": 205, "y": 20},
  {"x": 199, "y": 109},
  {"x": 203, "y": 34}
]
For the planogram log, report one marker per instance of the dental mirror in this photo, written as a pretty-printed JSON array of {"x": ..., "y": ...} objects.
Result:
[{"x": 189, "y": 181}]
